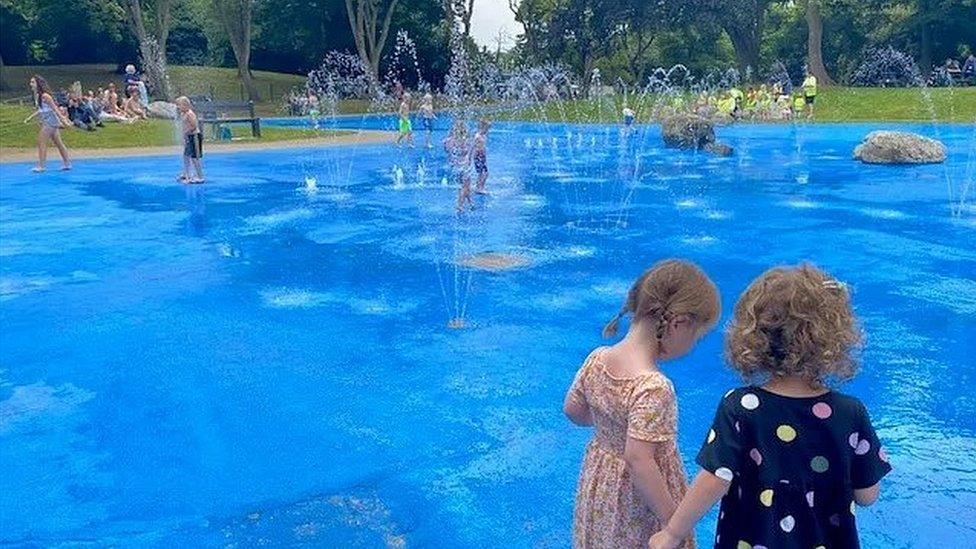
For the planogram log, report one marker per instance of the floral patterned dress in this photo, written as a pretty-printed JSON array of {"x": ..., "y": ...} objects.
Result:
[{"x": 609, "y": 511}]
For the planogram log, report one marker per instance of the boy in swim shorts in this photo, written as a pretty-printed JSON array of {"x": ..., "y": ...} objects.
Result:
[
  {"x": 193, "y": 141},
  {"x": 629, "y": 116},
  {"x": 427, "y": 115},
  {"x": 480, "y": 154},
  {"x": 406, "y": 129}
]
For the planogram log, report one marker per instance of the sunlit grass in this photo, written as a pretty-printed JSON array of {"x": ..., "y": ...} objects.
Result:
[
  {"x": 832, "y": 105},
  {"x": 14, "y": 134}
]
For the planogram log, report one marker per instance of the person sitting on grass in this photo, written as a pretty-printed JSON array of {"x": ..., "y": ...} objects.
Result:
[
  {"x": 193, "y": 141},
  {"x": 132, "y": 79},
  {"x": 132, "y": 108},
  {"x": 52, "y": 120},
  {"x": 94, "y": 104},
  {"x": 80, "y": 116},
  {"x": 969, "y": 68},
  {"x": 111, "y": 101}
]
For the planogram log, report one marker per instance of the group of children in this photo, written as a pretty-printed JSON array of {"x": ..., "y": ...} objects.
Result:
[
  {"x": 789, "y": 457},
  {"x": 53, "y": 118},
  {"x": 405, "y": 125},
  {"x": 464, "y": 154},
  {"x": 767, "y": 102}
]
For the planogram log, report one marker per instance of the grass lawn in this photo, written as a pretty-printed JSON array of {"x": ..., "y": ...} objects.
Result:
[
  {"x": 15, "y": 134},
  {"x": 833, "y": 105},
  {"x": 222, "y": 83}
]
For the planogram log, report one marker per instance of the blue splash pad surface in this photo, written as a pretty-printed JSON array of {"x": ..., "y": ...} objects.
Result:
[{"x": 266, "y": 360}]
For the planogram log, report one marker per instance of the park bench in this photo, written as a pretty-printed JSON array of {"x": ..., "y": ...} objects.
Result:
[{"x": 218, "y": 113}]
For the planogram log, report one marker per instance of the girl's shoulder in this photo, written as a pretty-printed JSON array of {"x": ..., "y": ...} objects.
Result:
[{"x": 744, "y": 400}]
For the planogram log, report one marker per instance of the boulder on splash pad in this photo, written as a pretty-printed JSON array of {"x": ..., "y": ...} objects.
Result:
[
  {"x": 689, "y": 131},
  {"x": 494, "y": 261},
  {"x": 886, "y": 147}
]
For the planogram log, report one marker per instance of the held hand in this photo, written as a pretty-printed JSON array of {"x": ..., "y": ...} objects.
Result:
[{"x": 663, "y": 540}]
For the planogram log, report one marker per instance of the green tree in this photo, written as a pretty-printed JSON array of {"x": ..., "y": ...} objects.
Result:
[
  {"x": 583, "y": 31},
  {"x": 370, "y": 23},
  {"x": 815, "y": 63},
  {"x": 148, "y": 21},
  {"x": 533, "y": 16},
  {"x": 235, "y": 16},
  {"x": 743, "y": 21},
  {"x": 642, "y": 22}
]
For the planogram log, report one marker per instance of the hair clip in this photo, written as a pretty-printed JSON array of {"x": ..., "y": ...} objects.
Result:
[{"x": 834, "y": 284}]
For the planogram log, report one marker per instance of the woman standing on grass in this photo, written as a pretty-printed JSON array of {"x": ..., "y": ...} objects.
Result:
[{"x": 52, "y": 119}]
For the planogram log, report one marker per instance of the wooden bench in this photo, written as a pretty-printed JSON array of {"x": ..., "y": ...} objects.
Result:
[{"x": 218, "y": 113}]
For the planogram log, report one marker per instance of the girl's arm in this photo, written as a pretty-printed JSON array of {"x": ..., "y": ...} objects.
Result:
[
  {"x": 647, "y": 477},
  {"x": 867, "y": 496},
  {"x": 705, "y": 491},
  {"x": 577, "y": 410}
]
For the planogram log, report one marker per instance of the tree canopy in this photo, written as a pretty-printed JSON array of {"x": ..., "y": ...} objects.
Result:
[{"x": 625, "y": 39}]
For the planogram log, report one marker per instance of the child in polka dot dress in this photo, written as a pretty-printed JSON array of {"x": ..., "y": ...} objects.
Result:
[{"x": 791, "y": 459}]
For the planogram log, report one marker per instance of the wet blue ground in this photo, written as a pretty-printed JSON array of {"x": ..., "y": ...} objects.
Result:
[{"x": 261, "y": 360}]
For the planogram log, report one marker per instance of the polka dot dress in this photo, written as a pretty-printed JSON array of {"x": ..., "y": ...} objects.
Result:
[{"x": 794, "y": 464}]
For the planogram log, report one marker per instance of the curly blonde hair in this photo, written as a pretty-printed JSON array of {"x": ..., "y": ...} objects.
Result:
[
  {"x": 794, "y": 321},
  {"x": 670, "y": 288}
]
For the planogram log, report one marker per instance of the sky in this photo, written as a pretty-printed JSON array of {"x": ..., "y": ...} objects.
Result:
[{"x": 488, "y": 18}]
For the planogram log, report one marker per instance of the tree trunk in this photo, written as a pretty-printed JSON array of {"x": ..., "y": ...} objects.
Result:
[
  {"x": 746, "y": 50},
  {"x": 163, "y": 19},
  {"x": 236, "y": 18},
  {"x": 925, "y": 41},
  {"x": 153, "y": 56},
  {"x": 244, "y": 60},
  {"x": 815, "y": 44},
  {"x": 369, "y": 33}
]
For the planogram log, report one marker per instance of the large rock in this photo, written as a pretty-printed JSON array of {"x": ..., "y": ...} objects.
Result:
[
  {"x": 162, "y": 109},
  {"x": 689, "y": 131},
  {"x": 884, "y": 147}
]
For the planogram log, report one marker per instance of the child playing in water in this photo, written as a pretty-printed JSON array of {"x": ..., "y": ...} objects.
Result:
[
  {"x": 459, "y": 156},
  {"x": 480, "y": 153},
  {"x": 52, "y": 120},
  {"x": 406, "y": 129},
  {"x": 632, "y": 477},
  {"x": 428, "y": 115},
  {"x": 193, "y": 145},
  {"x": 790, "y": 458},
  {"x": 312, "y": 101},
  {"x": 629, "y": 117}
]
